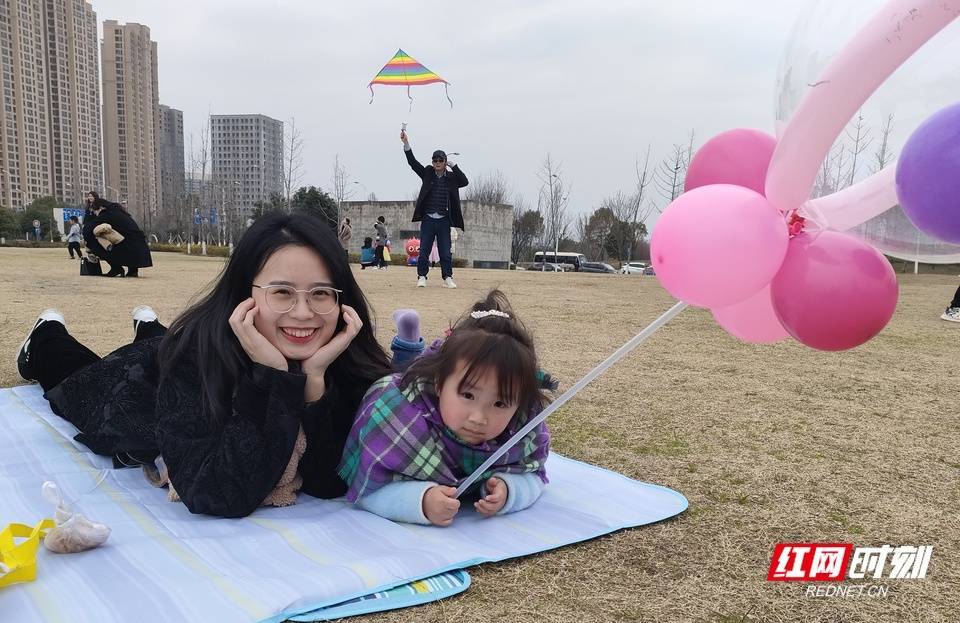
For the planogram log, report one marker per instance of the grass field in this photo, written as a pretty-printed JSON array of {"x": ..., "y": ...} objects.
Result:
[{"x": 769, "y": 443}]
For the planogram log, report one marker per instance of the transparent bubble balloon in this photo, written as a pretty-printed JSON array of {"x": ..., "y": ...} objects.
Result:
[{"x": 928, "y": 82}]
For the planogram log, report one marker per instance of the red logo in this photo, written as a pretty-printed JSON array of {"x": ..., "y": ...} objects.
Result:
[{"x": 809, "y": 562}]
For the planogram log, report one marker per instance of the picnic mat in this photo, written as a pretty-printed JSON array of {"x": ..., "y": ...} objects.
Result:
[{"x": 163, "y": 563}]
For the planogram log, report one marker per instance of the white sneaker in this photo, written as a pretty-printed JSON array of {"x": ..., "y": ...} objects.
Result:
[
  {"x": 448, "y": 283},
  {"x": 142, "y": 313},
  {"x": 23, "y": 353},
  {"x": 375, "y": 267},
  {"x": 421, "y": 282},
  {"x": 951, "y": 315}
]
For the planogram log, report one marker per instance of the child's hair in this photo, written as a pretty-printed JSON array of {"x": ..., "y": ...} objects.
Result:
[
  {"x": 74, "y": 219},
  {"x": 368, "y": 242},
  {"x": 381, "y": 219},
  {"x": 484, "y": 341}
]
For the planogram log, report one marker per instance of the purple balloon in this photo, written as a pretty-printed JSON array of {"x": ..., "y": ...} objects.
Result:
[
  {"x": 833, "y": 291},
  {"x": 928, "y": 176}
]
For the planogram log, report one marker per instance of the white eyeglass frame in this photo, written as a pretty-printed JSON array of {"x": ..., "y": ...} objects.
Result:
[{"x": 327, "y": 288}]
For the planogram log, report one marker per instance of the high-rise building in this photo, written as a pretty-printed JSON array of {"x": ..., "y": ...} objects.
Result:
[
  {"x": 50, "y": 101},
  {"x": 131, "y": 120},
  {"x": 246, "y": 157},
  {"x": 171, "y": 161}
]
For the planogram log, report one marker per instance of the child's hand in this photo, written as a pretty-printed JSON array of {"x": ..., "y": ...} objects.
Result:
[
  {"x": 496, "y": 497},
  {"x": 440, "y": 505}
]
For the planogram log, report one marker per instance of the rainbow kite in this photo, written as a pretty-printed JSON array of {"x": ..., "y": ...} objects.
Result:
[{"x": 403, "y": 69}]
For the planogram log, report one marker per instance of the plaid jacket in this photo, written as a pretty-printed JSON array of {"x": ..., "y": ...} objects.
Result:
[{"x": 399, "y": 435}]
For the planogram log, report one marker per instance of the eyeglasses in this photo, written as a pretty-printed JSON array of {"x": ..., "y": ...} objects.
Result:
[
  {"x": 282, "y": 299},
  {"x": 439, "y": 160}
]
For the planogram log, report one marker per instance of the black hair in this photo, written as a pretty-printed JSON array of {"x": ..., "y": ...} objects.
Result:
[
  {"x": 381, "y": 219},
  {"x": 203, "y": 333},
  {"x": 75, "y": 219},
  {"x": 368, "y": 242},
  {"x": 490, "y": 342}
]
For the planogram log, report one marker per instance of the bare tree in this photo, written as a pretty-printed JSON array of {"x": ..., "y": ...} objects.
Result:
[
  {"x": 552, "y": 202},
  {"x": 198, "y": 160},
  {"x": 292, "y": 161},
  {"x": 638, "y": 214},
  {"x": 860, "y": 139},
  {"x": 489, "y": 189},
  {"x": 340, "y": 181},
  {"x": 884, "y": 154},
  {"x": 670, "y": 174}
]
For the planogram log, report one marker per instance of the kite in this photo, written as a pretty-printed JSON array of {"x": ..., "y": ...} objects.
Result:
[{"x": 402, "y": 70}]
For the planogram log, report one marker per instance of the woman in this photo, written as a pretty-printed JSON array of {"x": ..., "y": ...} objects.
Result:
[
  {"x": 74, "y": 236},
  {"x": 133, "y": 252},
  {"x": 281, "y": 342}
]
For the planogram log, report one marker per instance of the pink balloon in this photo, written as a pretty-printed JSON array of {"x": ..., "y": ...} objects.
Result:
[
  {"x": 738, "y": 157},
  {"x": 834, "y": 291},
  {"x": 717, "y": 245},
  {"x": 752, "y": 320}
]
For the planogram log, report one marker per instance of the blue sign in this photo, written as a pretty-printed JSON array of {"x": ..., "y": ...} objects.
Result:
[
  {"x": 213, "y": 216},
  {"x": 68, "y": 212},
  {"x": 196, "y": 217}
]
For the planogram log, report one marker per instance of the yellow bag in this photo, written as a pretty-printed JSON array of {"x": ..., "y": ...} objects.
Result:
[
  {"x": 386, "y": 254},
  {"x": 18, "y": 561}
]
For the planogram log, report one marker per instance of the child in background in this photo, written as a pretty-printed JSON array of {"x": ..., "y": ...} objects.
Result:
[
  {"x": 407, "y": 344},
  {"x": 367, "y": 254},
  {"x": 419, "y": 434}
]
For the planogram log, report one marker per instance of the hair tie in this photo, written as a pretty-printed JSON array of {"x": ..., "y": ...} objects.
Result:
[{"x": 490, "y": 312}]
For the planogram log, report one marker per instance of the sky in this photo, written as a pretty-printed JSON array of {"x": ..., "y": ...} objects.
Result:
[{"x": 593, "y": 84}]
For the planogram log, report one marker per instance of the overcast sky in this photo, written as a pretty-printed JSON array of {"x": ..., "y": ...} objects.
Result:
[{"x": 591, "y": 83}]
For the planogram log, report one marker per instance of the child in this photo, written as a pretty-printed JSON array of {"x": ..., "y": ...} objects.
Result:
[
  {"x": 407, "y": 344},
  {"x": 367, "y": 254},
  {"x": 282, "y": 343},
  {"x": 419, "y": 434},
  {"x": 74, "y": 237}
]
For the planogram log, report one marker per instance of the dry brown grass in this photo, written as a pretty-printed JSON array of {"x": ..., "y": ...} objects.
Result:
[{"x": 769, "y": 443}]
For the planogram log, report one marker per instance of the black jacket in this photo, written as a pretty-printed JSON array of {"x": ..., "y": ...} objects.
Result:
[
  {"x": 427, "y": 175},
  {"x": 226, "y": 468},
  {"x": 133, "y": 251}
]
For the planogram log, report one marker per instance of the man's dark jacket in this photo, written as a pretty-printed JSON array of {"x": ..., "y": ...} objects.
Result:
[{"x": 428, "y": 175}]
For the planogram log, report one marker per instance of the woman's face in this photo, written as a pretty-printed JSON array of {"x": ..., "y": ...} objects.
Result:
[
  {"x": 300, "y": 332},
  {"x": 89, "y": 199}
]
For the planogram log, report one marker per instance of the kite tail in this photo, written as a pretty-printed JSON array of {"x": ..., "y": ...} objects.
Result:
[
  {"x": 445, "y": 90},
  {"x": 369, "y": 86},
  {"x": 410, "y": 109}
]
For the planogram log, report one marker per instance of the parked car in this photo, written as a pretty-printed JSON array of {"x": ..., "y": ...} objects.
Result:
[
  {"x": 548, "y": 267},
  {"x": 596, "y": 267},
  {"x": 649, "y": 270},
  {"x": 633, "y": 268}
]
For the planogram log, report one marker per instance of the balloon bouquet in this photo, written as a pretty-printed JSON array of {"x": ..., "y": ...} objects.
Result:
[{"x": 744, "y": 240}]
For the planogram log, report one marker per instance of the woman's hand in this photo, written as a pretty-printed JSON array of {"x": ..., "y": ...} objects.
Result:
[
  {"x": 317, "y": 363},
  {"x": 254, "y": 344},
  {"x": 496, "y": 497},
  {"x": 440, "y": 505}
]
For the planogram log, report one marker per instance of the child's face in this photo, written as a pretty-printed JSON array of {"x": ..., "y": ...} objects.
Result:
[
  {"x": 300, "y": 332},
  {"x": 475, "y": 414}
]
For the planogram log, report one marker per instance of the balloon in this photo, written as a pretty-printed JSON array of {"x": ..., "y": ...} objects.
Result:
[
  {"x": 717, "y": 245},
  {"x": 833, "y": 291},
  {"x": 855, "y": 204},
  {"x": 928, "y": 176},
  {"x": 752, "y": 320},
  {"x": 738, "y": 157}
]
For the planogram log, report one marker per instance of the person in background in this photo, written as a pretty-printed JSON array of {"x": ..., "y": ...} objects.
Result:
[
  {"x": 952, "y": 313},
  {"x": 74, "y": 236}
]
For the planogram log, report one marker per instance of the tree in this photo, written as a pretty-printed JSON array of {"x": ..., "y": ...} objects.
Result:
[
  {"x": 884, "y": 154},
  {"x": 342, "y": 188},
  {"x": 276, "y": 203},
  {"x": 8, "y": 223},
  {"x": 552, "y": 202},
  {"x": 527, "y": 229},
  {"x": 671, "y": 173},
  {"x": 595, "y": 230},
  {"x": 40, "y": 210},
  {"x": 489, "y": 189},
  {"x": 861, "y": 139},
  {"x": 314, "y": 201},
  {"x": 292, "y": 160}
]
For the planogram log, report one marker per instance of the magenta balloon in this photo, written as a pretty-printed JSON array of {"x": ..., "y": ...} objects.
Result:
[
  {"x": 834, "y": 291},
  {"x": 718, "y": 245},
  {"x": 752, "y": 320},
  {"x": 928, "y": 176},
  {"x": 738, "y": 157}
]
